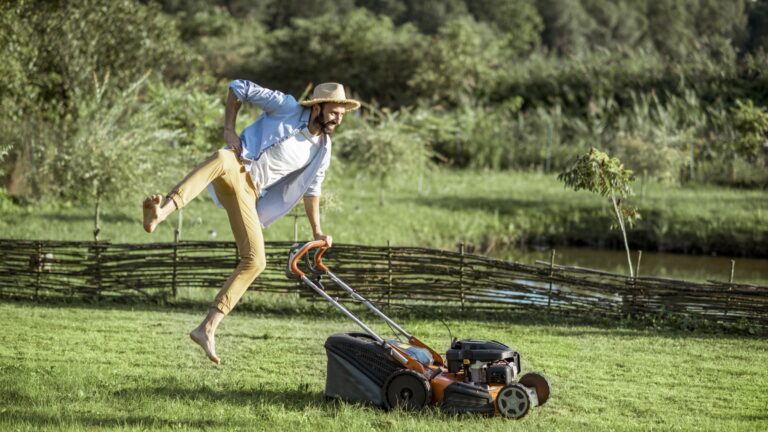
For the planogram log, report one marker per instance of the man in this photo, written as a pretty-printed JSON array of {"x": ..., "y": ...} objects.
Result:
[{"x": 258, "y": 177}]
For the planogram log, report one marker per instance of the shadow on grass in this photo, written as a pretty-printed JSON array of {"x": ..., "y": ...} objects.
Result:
[
  {"x": 40, "y": 420},
  {"x": 295, "y": 399},
  {"x": 558, "y": 323},
  {"x": 79, "y": 217}
]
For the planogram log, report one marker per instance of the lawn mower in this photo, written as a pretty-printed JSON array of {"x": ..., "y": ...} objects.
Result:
[{"x": 476, "y": 376}]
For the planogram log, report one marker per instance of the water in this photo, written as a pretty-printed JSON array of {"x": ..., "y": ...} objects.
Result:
[{"x": 676, "y": 266}]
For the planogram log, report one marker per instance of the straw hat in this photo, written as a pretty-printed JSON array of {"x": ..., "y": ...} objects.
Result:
[{"x": 331, "y": 92}]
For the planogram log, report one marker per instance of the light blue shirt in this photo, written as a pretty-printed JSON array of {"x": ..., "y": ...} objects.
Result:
[{"x": 282, "y": 118}]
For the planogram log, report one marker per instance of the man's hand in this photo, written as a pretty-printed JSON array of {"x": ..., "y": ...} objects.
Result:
[
  {"x": 233, "y": 141},
  {"x": 328, "y": 239}
]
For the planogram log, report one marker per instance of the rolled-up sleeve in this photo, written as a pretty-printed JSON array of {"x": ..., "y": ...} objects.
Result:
[{"x": 264, "y": 98}]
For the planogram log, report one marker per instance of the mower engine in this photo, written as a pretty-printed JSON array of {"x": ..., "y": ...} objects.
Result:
[{"x": 483, "y": 362}]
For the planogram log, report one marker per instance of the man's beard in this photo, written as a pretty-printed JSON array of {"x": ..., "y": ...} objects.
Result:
[{"x": 324, "y": 125}]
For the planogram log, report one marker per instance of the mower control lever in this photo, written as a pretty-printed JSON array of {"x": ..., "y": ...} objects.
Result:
[{"x": 296, "y": 256}]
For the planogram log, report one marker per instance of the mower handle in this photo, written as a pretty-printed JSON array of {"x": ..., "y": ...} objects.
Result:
[{"x": 322, "y": 244}]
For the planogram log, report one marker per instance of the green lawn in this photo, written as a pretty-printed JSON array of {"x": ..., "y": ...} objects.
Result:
[
  {"x": 94, "y": 368},
  {"x": 481, "y": 207}
]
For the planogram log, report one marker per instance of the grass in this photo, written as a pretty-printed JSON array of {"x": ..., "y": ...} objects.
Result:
[
  {"x": 485, "y": 208},
  {"x": 80, "y": 367}
]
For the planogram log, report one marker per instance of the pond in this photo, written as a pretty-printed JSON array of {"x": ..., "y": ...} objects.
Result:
[{"x": 688, "y": 267}]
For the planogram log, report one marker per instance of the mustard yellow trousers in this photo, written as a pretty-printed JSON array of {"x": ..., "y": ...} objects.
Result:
[{"x": 236, "y": 192}]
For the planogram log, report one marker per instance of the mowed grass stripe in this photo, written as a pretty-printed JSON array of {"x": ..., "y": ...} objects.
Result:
[{"x": 90, "y": 368}]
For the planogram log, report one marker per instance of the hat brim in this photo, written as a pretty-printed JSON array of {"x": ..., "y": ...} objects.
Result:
[{"x": 349, "y": 104}]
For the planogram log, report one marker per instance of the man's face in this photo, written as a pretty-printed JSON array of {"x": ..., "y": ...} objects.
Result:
[{"x": 328, "y": 116}]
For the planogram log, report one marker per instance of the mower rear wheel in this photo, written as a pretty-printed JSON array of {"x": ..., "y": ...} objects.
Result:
[
  {"x": 407, "y": 389},
  {"x": 539, "y": 382},
  {"x": 513, "y": 401}
]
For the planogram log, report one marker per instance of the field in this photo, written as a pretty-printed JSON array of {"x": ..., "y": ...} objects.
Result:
[
  {"x": 80, "y": 367},
  {"x": 485, "y": 208}
]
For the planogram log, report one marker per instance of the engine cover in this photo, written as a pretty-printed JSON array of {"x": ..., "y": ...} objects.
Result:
[{"x": 476, "y": 350}]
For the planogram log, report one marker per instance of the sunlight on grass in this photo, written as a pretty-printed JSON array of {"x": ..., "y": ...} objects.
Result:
[{"x": 79, "y": 367}]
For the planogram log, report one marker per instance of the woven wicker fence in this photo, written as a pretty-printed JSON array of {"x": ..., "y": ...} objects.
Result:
[{"x": 50, "y": 269}]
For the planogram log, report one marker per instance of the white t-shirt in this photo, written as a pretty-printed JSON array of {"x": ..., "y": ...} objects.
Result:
[{"x": 286, "y": 157}]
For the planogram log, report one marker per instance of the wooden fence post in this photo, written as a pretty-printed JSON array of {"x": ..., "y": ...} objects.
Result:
[
  {"x": 461, "y": 275},
  {"x": 730, "y": 287},
  {"x": 98, "y": 269},
  {"x": 389, "y": 273},
  {"x": 551, "y": 273},
  {"x": 39, "y": 268},
  {"x": 637, "y": 267},
  {"x": 176, "y": 235}
]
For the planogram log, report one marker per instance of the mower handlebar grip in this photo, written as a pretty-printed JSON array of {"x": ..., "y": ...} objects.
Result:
[{"x": 303, "y": 251}]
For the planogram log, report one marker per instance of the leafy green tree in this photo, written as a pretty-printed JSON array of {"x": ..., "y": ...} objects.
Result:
[
  {"x": 461, "y": 65},
  {"x": 431, "y": 15},
  {"x": 112, "y": 155},
  {"x": 566, "y": 25},
  {"x": 516, "y": 21},
  {"x": 723, "y": 19},
  {"x": 280, "y": 13},
  {"x": 368, "y": 54},
  {"x": 751, "y": 124},
  {"x": 670, "y": 26},
  {"x": 394, "y": 9},
  {"x": 617, "y": 22},
  {"x": 606, "y": 176},
  {"x": 49, "y": 59},
  {"x": 757, "y": 26}
]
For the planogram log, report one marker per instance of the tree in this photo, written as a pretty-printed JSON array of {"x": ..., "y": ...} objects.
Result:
[
  {"x": 751, "y": 124},
  {"x": 112, "y": 155},
  {"x": 51, "y": 52},
  {"x": 606, "y": 176},
  {"x": 670, "y": 26},
  {"x": 617, "y": 23},
  {"x": 430, "y": 15},
  {"x": 369, "y": 54},
  {"x": 517, "y": 21},
  {"x": 566, "y": 25},
  {"x": 461, "y": 65}
]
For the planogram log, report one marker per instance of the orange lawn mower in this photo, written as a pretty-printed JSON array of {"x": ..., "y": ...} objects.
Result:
[{"x": 480, "y": 376}]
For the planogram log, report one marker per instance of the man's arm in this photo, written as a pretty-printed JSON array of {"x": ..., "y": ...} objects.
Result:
[
  {"x": 312, "y": 207},
  {"x": 230, "y": 116},
  {"x": 270, "y": 101}
]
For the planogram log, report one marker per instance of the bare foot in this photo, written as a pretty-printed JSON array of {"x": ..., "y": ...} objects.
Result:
[
  {"x": 152, "y": 212},
  {"x": 207, "y": 343}
]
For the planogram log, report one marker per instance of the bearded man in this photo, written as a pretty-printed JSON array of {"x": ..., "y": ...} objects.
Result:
[{"x": 258, "y": 177}]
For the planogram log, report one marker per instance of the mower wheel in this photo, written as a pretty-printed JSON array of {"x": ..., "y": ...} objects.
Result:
[
  {"x": 406, "y": 389},
  {"x": 539, "y": 382},
  {"x": 513, "y": 401}
]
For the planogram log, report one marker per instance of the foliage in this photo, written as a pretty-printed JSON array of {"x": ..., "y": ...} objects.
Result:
[
  {"x": 52, "y": 53},
  {"x": 606, "y": 176},
  {"x": 517, "y": 22},
  {"x": 601, "y": 174},
  {"x": 461, "y": 64},
  {"x": 751, "y": 125},
  {"x": 194, "y": 115},
  {"x": 383, "y": 148},
  {"x": 368, "y": 54},
  {"x": 111, "y": 155}
]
